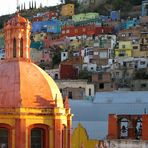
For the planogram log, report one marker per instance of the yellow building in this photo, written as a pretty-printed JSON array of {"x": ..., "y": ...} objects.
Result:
[
  {"x": 32, "y": 113},
  {"x": 80, "y": 139},
  {"x": 123, "y": 49},
  {"x": 67, "y": 10}
]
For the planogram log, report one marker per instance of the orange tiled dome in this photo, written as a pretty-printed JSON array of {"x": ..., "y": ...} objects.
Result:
[{"x": 24, "y": 84}]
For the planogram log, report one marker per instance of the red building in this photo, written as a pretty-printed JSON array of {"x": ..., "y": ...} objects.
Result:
[
  {"x": 128, "y": 127},
  {"x": 67, "y": 71},
  {"x": 85, "y": 30}
]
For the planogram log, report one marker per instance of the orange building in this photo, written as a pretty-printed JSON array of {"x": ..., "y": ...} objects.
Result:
[
  {"x": 32, "y": 113},
  {"x": 133, "y": 127}
]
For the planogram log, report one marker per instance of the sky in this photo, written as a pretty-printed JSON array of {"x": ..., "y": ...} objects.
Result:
[{"x": 9, "y": 6}]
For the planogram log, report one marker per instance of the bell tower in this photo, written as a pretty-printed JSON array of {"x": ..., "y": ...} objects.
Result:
[{"x": 17, "y": 37}]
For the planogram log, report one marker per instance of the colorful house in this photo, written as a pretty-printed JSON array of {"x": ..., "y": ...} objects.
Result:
[
  {"x": 67, "y": 10},
  {"x": 129, "y": 23},
  {"x": 115, "y": 15},
  {"x": 32, "y": 112},
  {"x": 123, "y": 49},
  {"x": 84, "y": 16},
  {"x": 87, "y": 29},
  {"x": 52, "y": 26}
]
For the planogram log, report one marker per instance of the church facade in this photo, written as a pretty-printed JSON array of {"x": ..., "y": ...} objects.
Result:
[{"x": 32, "y": 112}]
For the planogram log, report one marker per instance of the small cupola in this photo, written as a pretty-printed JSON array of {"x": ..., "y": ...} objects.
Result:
[{"x": 17, "y": 38}]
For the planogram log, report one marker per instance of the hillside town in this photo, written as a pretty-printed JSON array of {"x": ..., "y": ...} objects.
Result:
[{"x": 100, "y": 64}]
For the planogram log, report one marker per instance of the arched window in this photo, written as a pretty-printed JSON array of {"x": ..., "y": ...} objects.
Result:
[
  {"x": 14, "y": 47},
  {"x": 64, "y": 142},
  {"x": 138, "y": 128},
  {"x": 21, "y": 47},
  {"x": 4, "y": 134},
  {"x": 124, "y": 128},
  {"x": 37, "y": 138}
]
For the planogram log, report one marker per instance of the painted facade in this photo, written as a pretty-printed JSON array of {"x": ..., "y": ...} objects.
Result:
[
  {"x": 87, "y": 89},
  {"x": 124, "y": 49},
  {"x": 132, "y": 127},
  {"x": 84, "y": 16},
  {"x": 103, "y": 81},
  {"x": 52, "y": 26},
  {"x": 32, "y": 112},
  {"x": 87, "y": 29},
  {"x": 129, "y": 23},
  {"x": 68, "y": 10},
  {"x": 115, "y": 15}
]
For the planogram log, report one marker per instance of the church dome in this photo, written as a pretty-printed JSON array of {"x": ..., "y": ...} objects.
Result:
[{"x": 24, "y": 84}]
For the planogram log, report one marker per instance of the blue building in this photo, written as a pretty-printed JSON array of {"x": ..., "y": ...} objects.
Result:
[
  {"x": 115, "y": 15},
  {"x": 129, "y": 23},
  {"x": 144, "y": 11},
  {"x": 52, "y": 26}
]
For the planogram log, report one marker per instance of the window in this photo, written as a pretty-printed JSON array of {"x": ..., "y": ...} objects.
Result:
[
  {"x": 67, "y": 31},
  {"x": 4, "y": 137},
  {"x": 76, "y": 30},
  {"x": 37, "y": 138},
  {"x": 143, "y": 85},
  {"x": 14, "y": 48},
  {"x": 117, "y": 74},
  {"x": 84, "y": 29},
  {"x": 122, "y": 53},
  {"x": 123, "y": 46},
  {"x": 21, "y": 48},
  {"x": 138, "y": 129},
  {"x": 63, "y": 32},
  {"x": 100, "y": 76},
  {"x": 101, "y": 86},
  {"x": 38, "y": 135},
  {"x": 56, "y": 76},
  {"x": 124, "y": 128},
  {"x": 64, "y": 136},
  {"x": 89, "y": 91},
  {"x": 42, "y": 61},
  {"x": 142, "y": 62},
  {"x": 135, "y": 47},
  {"x": 70, "y": 95}
]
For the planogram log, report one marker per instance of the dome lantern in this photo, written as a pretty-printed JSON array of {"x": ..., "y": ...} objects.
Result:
[{"x": 17, "y": 36}]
